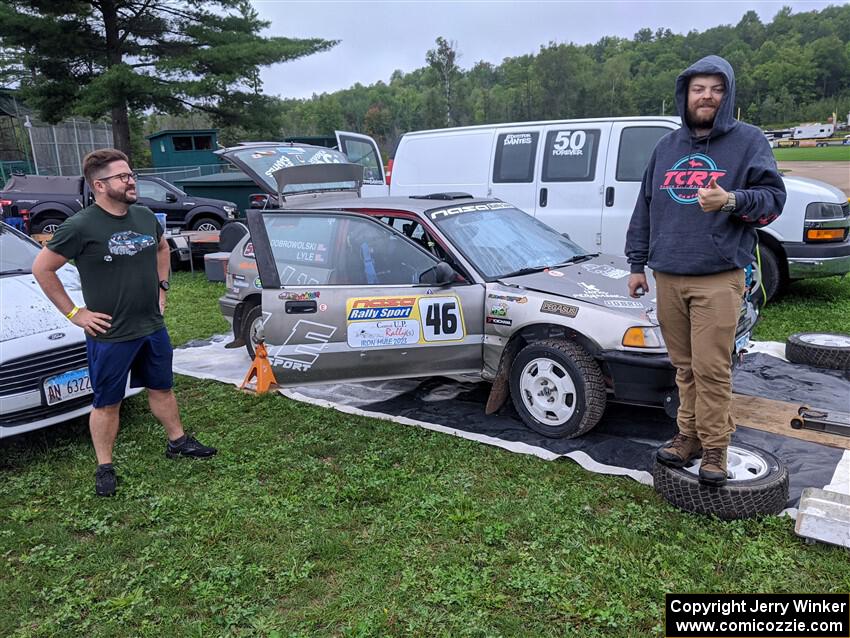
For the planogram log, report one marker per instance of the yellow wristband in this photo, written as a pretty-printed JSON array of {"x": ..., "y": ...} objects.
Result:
[{"x": 74, "y": 311}]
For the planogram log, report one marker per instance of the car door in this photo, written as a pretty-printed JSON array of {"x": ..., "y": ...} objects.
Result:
[
  {"x": 571, "y": 175},
  {"x": 160, "y": 200},
  {"x": 629, "y": 149},
  {"x": 363, "y": 150},
  {"x": 342, "y": 302},
  {"x": 513, "y": 176}
]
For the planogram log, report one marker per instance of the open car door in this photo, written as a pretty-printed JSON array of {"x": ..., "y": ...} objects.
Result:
[
  {"x": 347, "y": 298},
  {"x": 363, "y": 150}
]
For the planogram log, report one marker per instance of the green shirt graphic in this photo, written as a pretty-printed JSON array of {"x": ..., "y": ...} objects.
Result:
[{"x": 116, "y": 258}]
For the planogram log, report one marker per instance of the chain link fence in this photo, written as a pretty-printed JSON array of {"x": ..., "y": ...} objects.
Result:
[{"x": 59, "y": 149}]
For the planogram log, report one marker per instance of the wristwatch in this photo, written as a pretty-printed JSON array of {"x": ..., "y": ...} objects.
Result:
[
  {"x": 164, "y": 284},
  {"x": 730, "y": 204}
]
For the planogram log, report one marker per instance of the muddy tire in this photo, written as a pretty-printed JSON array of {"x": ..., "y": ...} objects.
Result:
[
  {"x": 757, "y": 486},
  {"x": 819, "y": 349},
  {"x": 557, "y": 388}
]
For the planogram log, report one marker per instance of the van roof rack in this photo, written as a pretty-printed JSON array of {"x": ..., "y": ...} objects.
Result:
[{"x": 444, "y": 196}]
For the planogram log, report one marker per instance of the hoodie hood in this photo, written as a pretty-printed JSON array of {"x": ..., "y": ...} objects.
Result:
[{"x": 724, "y": 120}]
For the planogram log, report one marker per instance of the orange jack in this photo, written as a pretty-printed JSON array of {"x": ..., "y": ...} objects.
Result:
[{"x": 261, "y": 369}]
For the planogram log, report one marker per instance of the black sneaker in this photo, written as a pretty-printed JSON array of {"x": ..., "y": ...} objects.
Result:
[
  {"x": 191, "y": 448},
  {"x": 105, "y": 481}
]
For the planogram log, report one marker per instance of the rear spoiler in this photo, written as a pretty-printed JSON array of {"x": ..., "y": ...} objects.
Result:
[{"x": 317, "y": 174}]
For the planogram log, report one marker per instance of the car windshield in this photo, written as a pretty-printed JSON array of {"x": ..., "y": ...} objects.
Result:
[
  {"x": 500, "y": 240},
  {"x": 16, "y": 252},
  {"x": 265, "y": 160}
]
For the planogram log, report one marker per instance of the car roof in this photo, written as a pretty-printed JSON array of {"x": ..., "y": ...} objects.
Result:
[{"x": 411, "y": 204}]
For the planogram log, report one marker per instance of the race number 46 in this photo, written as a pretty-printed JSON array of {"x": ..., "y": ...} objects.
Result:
[{"x": 441, "y": 320}]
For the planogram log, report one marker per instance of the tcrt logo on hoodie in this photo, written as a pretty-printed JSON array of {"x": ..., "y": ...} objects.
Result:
[{"x": 687, "y": 175}]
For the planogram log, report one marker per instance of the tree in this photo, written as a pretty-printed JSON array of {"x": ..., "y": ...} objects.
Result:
[
  {"x": 443, "y": 60},
  {"x": 108, "y": 57}
]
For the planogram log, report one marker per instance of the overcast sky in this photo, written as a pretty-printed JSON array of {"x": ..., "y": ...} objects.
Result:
[{"x": 376, "y": 38}]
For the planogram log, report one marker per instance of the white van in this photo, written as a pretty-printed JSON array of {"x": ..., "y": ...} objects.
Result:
[{"x": 582, "y": 177}]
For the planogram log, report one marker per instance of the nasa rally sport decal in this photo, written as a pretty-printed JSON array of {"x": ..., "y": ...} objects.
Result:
[{"x": 690, "y": 173}]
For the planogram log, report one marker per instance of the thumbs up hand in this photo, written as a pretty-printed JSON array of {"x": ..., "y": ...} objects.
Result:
[{"x": 712, "y": 197}]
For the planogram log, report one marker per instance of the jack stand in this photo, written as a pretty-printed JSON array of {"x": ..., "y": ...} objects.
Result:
[
  {"x": 261, "y": 369},
  {"x": 822, "y": 421}
]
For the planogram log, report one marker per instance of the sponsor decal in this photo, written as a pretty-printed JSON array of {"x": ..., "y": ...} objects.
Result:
[
  {"x": 569, "y": 143},
  {"x": 239, "y": 284},
  {"x": 512, "y": 298},
  {"x": 593, "y": 292},
  {"x": 261, "y": 154},
  {"x": 392, "y": 321},
  {"x": 689, "y": 174},
  {"x": 281, "y": 162},
  {"x": 309, "y": 339},
  {"x": 290, "y": 276},
  {"x": 378, "y": 334},
  {"x": 257, "y": 283},
  {"x": 554, "y": 308},
  {"x": 239, "y": 277},
  {"x": 606, "y": 271},
  {"x": 456, "y": 210},
  {"x": 323, "y": 307},
  {"x": 499, "y": 321},
  {"x": 555, "y": 273},
  {"x": 499, "y": 310},
  {"x": 299, "y": 296},
  {"x": 622, "y": 303},
  {"x": 512, "y": 139},
  {"x": 244, "y": 265}
]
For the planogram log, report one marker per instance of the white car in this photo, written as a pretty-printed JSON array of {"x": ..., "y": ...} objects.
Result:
[{"x": 43, "y": 367}]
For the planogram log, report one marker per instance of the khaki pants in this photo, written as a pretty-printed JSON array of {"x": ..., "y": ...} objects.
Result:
[{"x": 698, "y": 316}]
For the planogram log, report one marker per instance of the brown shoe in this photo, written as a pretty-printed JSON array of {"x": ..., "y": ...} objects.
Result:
[
  {"x": 679, "y": 451},
  {"x": 712, "y": 471}
]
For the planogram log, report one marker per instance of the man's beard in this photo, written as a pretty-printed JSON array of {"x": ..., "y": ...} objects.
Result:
[
  {"x": 702, "y": 122},
  {"x": 121, "y": 195}
]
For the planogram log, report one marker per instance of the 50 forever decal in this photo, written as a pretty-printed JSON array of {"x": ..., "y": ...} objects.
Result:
[
  {"x": 569, "y": 143},
  {"x": 375, "y": 322}
]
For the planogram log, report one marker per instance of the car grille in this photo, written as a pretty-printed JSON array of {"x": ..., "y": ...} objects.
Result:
[
  {"x": 26, "y": 373},
  {"x": 43, "y": 412}
]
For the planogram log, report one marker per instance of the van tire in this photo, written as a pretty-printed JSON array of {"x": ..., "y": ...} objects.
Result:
[
  {"x": 820, "y": 350},
  {"x": 570, "y": 379},
  {"x": 767, "y": 493},
  {"x": 47, "y": 225},
  {"x": 771, "y": 274}
]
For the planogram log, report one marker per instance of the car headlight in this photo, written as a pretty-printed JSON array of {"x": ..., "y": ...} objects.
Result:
[
  {"x": 643, "y": 337},
  {"x": 230, "y": 210}
]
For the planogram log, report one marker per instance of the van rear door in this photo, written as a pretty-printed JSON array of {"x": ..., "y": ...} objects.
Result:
[
  {"x": 629, "y": 149},
  {"x": 363, "y": 150},
  {"x": 570, "y": 178}
]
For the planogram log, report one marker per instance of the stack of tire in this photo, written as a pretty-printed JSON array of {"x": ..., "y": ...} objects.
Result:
[{"x": 758, "y": 481}]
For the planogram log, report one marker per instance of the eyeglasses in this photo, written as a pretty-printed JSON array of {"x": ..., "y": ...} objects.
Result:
[{"x": 124, "y": 177}]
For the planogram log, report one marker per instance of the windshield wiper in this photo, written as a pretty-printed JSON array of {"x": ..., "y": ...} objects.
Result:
[
  {"x": 524, "y": 271},
  {"x": 532, "y": 269},
  {"x": 576, "y": 258}
]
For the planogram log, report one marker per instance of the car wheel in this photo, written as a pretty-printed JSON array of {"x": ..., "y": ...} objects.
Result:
[
  {"x": 771, "y": 275},
  {"x": 557, "y": 388},
  {"x": 757, "y": 485},
  {"x": 252, "y": 328},
  {"x": 819, "y": 349},
  {"x": 206, "y": 224},
  {"x": 46, "y": 226}
]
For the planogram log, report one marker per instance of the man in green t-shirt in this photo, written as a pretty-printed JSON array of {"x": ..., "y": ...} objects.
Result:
[{"x": 123, "y": 260}]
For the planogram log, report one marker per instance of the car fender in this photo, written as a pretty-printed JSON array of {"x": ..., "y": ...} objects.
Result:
[
  {"x": 205, "y": 210},
  {"x": 254, "y": 299},
  {"x": 50, "y": 210}
]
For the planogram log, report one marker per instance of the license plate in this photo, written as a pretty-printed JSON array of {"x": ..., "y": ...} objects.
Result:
[
  {"x": 742, "y": 342},
  {"x": 66, "y": 386}
]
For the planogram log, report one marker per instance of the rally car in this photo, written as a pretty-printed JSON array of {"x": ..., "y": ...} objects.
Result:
[{"x": 342, "y": 288}]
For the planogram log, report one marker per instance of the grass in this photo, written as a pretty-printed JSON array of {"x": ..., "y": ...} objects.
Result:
[
  {"x": 813, "y": 305},
  {"x": 311, "y": 522},
  {"x": 840, "y": 153}
]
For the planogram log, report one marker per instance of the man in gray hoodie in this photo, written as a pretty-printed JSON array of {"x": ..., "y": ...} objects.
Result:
[{"x": 707, "y": 187}]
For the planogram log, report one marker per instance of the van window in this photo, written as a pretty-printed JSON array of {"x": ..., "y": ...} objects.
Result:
[
  {"x": 570, "y": 155},
  {"x": 515, "y": 154},
  {"x": 636, "y": 146}
]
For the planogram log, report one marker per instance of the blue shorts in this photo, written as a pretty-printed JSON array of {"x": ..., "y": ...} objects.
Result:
[{"x": 147, "y": 359}]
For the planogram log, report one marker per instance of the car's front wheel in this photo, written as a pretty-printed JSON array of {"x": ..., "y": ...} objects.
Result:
[
  {"x": 252, "y": 328},
  {"x": 557, "y": 388}
]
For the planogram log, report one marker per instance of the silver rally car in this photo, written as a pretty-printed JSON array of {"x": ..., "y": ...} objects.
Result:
[{"x": 343, "y": 288}]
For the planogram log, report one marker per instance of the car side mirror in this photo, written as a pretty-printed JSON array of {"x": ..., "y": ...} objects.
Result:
[
  {"x": 567, "y": 235},
  {"x": 170, "y": 197},
  {"x": 441, "y": 274}
]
